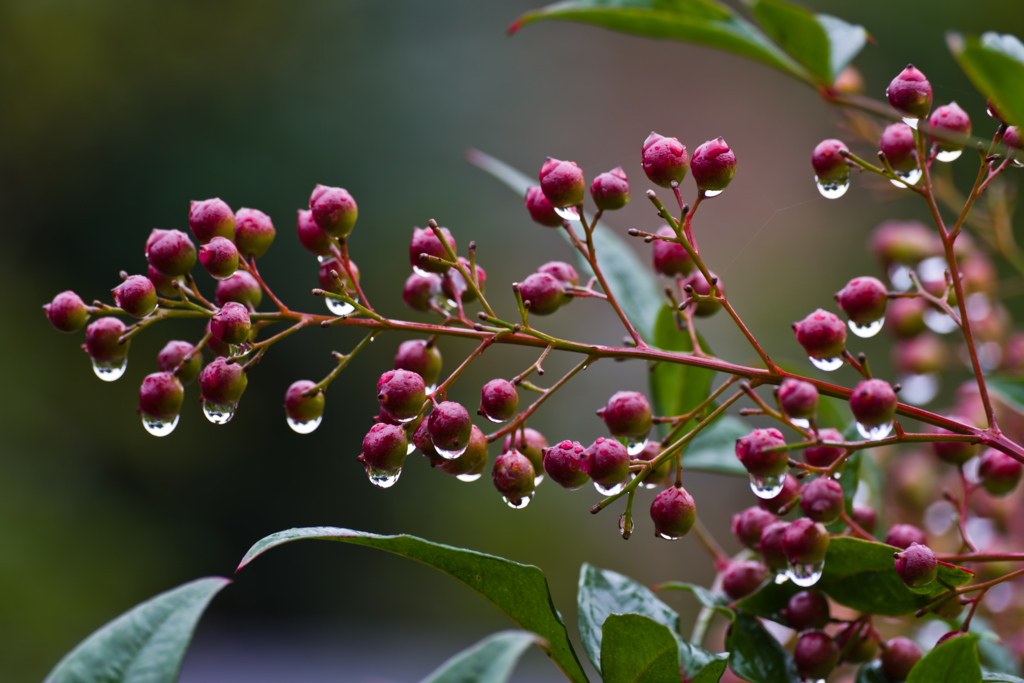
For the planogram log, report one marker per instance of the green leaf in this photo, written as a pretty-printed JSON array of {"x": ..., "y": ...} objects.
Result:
[
  {"x": 821, "y": 43},
  {"x": 714, "y": 448},
  {"x": 489, "y": 661},
  {"x": 848, "y": 483},
  {"x": 603, "y": 593},
  {"x": 637, "y": 649},
  {"x": 145, "y": 644},
  {"x": 631, "y": 282},
  {"x": 701, "y": 666},
  {"x": 705, "y": 597},
  {"x": 519, "y": 590},
  {"x": 1010, "y": 390},
  {"x": 993, "y": 654},
  {"x": 995, "y": 64},
  {"x": 993, "y": 677},
  {"x": 755, "y": 655},
  {"x": 872, "y": 673},
  {"x": 693, "y": 21},
  {"x": 861, "y": 575},
  {"x": 677, "y": 389},
  {"x": 954, "y": 661}
]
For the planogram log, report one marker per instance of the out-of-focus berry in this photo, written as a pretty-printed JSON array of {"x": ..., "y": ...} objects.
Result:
[
  {"x": 540, "y": 208},
  {"x": 898, "y": 657},
  {"x": 561, "y": 271},
  {"x": 905, "y": 535},
  {"x": 822, "y": 500},
  {"x": 419, "y": 290},
  {"x": 421, "y": 357},
  {"x": 747, "y": 525},
  {"x": 999, "y": 473},
  {"x": 807, "y": 610},
  {"x": 815, "y": 655},
  {"x": 743, "y": 578}
]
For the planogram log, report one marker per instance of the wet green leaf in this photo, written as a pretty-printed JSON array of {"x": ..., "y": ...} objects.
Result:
[
  {"x": 677, "y": 389},
  {"x": 995, "y": 64},
  {"x": 755, "y": 655},
  {"x": 714, "y": 448},
  {"x": 954, "y": 661},
  {"x": 492, "y": 660},
  {"x": 637, "y": 649},
  {"x": 1010, "y": 390},
  {"x": 703, "y": 595},
  {"x": 872, "y": 673}
]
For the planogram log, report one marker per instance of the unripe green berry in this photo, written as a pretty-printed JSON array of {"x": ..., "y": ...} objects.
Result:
[
  {"x": 401, "y": 394},
  {"x": 562, "y": 183},
  {"x": 171, "y": 356},
  {"x": 241, "y": 288},
  {"x": 254, "y": 232},
  {"x": 498, "y": 400},
  {"x": 627, "y": 413},
  {"x": 610, "y": 190},
  {"x": 563, "y": 462},
  {"x": 713, "y": 165},
  {"x": 673, "y": 513},
  {"x": 664, "y": 160},
  {"x": 421, "y": 357},
  {"x": 231, "y": 323},
  {"x": 211, "y": 218},
  {"x": 67, "y": 312},
  {"x": 334, "y": 210},
  {"x": 219, "y": 257},
  {"x": 160, "y": 396},
  {"x": 917, "y": 565}
]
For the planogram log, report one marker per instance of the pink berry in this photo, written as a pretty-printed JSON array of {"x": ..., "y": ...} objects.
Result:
[
  {"x": 807, "y": 610},
  {"x": 540, "y": 208},
  {"x": 384, "y": 448},
  {"x": 805, "y": 542},
  {"x": 473, "y": 460},
  {"x": 864, "y": 516},
  {"x": 419, "y": 290},
  {"x": 160, "y": 396},
  {"x": 562, "y": 272},
  {"x": 905, "y": 535},
  {"x": 743, "y": 578},
  {"x": 799, "y": 399},
  {"x": 783, "y": 500},
  {"x": 452, "y": 282},
  {"x": 952, "y": 118},
  {"x": 241, "y": 288},
  {"x": 302, "y": 409},
  {"x": 627, "y": 414},
  {"x": 815, "y": 655},
  {"x": 171, "y": 252},
  {"x": 606, "y": 461},
  {"x": 923, "y": 354},
  {"x": 905, "y": 317},
  {"x": 544, "y": 293},
  {"x": 421, "y": 357},
  {"x": 770, "y": 545},
  {"x": 829, "y": 164},
  {"x": 327, "y": 281},
  {"x": 165, "y": 284},
  {"x": 910, "y": 93},
  {"x": 954, "y": 452},
  {"x": 172, "y": 355},
  {"x": 101, "y": 340},
  {"x": 664, "y": 160},
  {"x": 421, "y": 439},
  {"x": 863, "y": 649},
  {"x": 917, "y": 565},
  {"x": 904, "y": 242},
  {"x": 513, "y": 476},
  {"x": 873, "y": 403},
  {"x": 747, "y": 525},
  {"x": 211, "y": 218},
  {"x": 898, "y": 658},
  {"x": 897, "y": 143},
  {"x": 531, "y": 445},
  {"x": 824, "y": 456},
  {"x": 671, "y": 258},
  {"x": 863, "y": 299},
  {"x": 498, "y": 400},
  {"x": 334, "y": 210},
  {"x": 700, "y": 286},
  {"x": 822, "y": 500},
  {"x": 610, "y": 190},
  {"x": 254, "y": 232},
  {"x": 752, "y": 452},
  {"x": 223, "y": 383},
  {"x": 67, "y": 312},
  {"x": 562, "y": 183},
  {"x": 673, "y": 512},
  {"x": 401, "y": 394},
  {"x": 1012, "y": 138},
  {"x": 563, "y": 462},
  {"x": 310, "y": 235},
  {"x": 231, "y": 323},
  {"x": 822, "y": 334},
  {"x": 450, "y": 426},
  {"x": 426, "y": 242},
  {"x": 713, "y": 165},
  {"x": 219, "y": 257},
  {"x": 999, "y": 473}
]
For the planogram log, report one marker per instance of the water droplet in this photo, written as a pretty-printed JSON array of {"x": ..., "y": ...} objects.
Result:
[
  {"x": 538, "y": 479},
  {"x": 419, "y": 271},
  {"x": 219, "y": 414},
  {"x": 869, "y": 330},
  {"x": 491, "y": 419},
  {"x": 908, "y": 178},
  {"x": 158, "y": 427},
  {"x": 919, "y": 389},
  {"x": 451, "y": 455},
  {"x": 610, "y": 490},
  {"x": 712, "y": 193},
  {"x": 767, "y": 487},
  {"x": 990, "y": 354},
  {"x": 623, "y": 529},
  {"x": 339, "y": 307},
  {"x": 304, "y": 427},
  {"x": 899, "y": 277},
  {"x": 569, "y": 214},
  {"x": 805, "y": 575},
  {"x": 451, "y": 303},
  {"x": 667, "y": 537},
  {"x": 999, "y": 598},
  {"x": 633, "y": 447},
  {"x": 384, "y": 479},
  {"x": 406, "y": 420},
  {"x": 586, "y": 366},
  {"x": 827, "y": 364},
  {"x": 982, "y": 531},
  {"x": 947, "y": 157},
  {"x": 781, "y": 578},
  {"x": 800, "y": 422},
  {"x": 874, "y": 433},
  {"x": 938, "y": 322},
  {"x": 833, "y": 190},
  {"x": 938, "y": 517},
  {"x": 1016, "y": 163},
  {"x": 110, "y": 370},
  {"x": 468, "y": 477},
  {"x": 978, "y": 306},
  {"x": 410, "y": 448},
  {"x": 432, "y": 388},
  {"x": 912, "y": 122},
  {"x": 518, "y": 503},
  {"x": 650, "y": 483},
  {"x": 323, "y": 257},
  {"x": 971, "y": 470}
]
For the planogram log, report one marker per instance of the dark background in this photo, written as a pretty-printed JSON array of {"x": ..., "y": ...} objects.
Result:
[{"x": 114, "y": 115}]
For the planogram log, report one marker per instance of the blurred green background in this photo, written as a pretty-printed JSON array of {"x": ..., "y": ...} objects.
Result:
[{"x": 116, "y": 114}]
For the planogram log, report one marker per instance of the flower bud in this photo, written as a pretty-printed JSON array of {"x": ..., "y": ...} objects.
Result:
[
  {"x": 1012, "y": 138},
  {"x": 863, "y": 649},
  {"x": 714, "y": 166},
  {"x": 563, "y": 462},
  {"x": 610, "y": 190},
  {"x": 782, "y": 501},
  {"x": 532, "y": 446},
  {"x": 513, "y": 476},
  {"x": 700, "y": 286},
  {"x": 952, "y": 118},
  {"x": 905, "y": 535},
  {"x": 562, "y": 183},
  {"x": 873, "y": 403},
  {"x": 101, "y": 339},
  {"x": 67, "y": 312},
  {"x": 231, "y": 323},
  {"x": 771, "y": 547},
  {"x": 607, "y": 462},
  {"x": 743, "y": 578},
  {"x": 829, "y": 164},
  {"x": 211, "y": 218},
  {"x": 898, "y": 146},
  {"x": 954, "y": 452},
  {"x": 752, "y": 451},
  {"x": 164, "y": 284},
  {"x": 220, "y": 257},
  {"x": 822, "y": 500},
  {"x": 562, "y": 272},
  {"x": 254, "y": 232},
  {"x": 419, "y": 290},
  {"x": 311, "y": 236},
  {"x": 498, "y": 400},
  {"x": 905, "y": 317},
  {"x": 824, "y": 456},
  {"x": 815, "y": 655},
  {"x": 799, "y": 399},
  {"x": 999, "y": 473},
  {"x": 384, "y": 448},
  {"x": 671, "y": 258},
  {"x": 807, "y": 610},
  {"x": 303, "y": 409},
  {"x": 421, "y": 357},
  {"x": 449, "y": 425},
  {"x": 540, "y": 209},
  {"x": 160, "y": 396},
  {"x": 922, "y": 354},
  {"x": 327, "y": 281},
  {"x": 334, "y": 210},
  {"x": 898, "y": 657},
  {"x": 863, "y": 299},
  {"x": 664, "y": 160},
  {"x": 452, "y": 282},
  {"x": 805, "y": 542},
  {"x": 864, "y": 516},
  {"x": 426, "y": 242},
  {"x": 401, "y": 394},
  {"x": 627, "y": 414},
  {"x": 473, "y": 460},
  {"x": 223, "y": 383},
  {"x": 241, "y": 288},
  {"x": 917, "y": 565},
  {"x": 172, "y": 355},
  {"x": 171, "y": 252},
  {"x": 673, "y": 512},
  {"x": 543, "y": 292},
  {"x": 747, "y": 525},
  {"x": 910, "y": 93}
]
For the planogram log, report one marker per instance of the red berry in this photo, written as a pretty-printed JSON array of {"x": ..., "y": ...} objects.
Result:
[
  {"x": 822, "y": 500},
  {"x": 513, "y": 476},
  {"x": 920, "y": 355},
  {"x": 327, "y": 281},
  {"x": 540, "y": 208},
  {"x": 799, "y": 399},
  {"x": 999, "y": 473},
  {"x": 426, "y": 242},
  {"x": 863, "y": 299},
  {"x": 384, "y": 448},
  {"x": 401, "y": 394},
  {"x": 101, "y": 340},
  {"x": 627, "y": 414},
  {"x": 334, "y": 210},
  {"x": 231, "y": 323},
  {"x": 904, "y": 242},
  {"x": 664, "y": 160},
  {"x": 543, "y": 292},
  {"x": 648, "y": 453},
  {"x": 865, "y": 517},
  {"x": 700, "y": 286},
  {"x": 713, "y": 165},
  {"x": 610, "y": 190},
  {"x": 953, "y": 452},
  {"x": 607, "y": 462},
  {"x": 747, "y": 525},
  {"x": 782, "y": 501},
  {"x": 220, "y": 257},
  {"x": 743, "y": 578},
  {"x": 165, "y": 284},
  {"x": 303, "y": 409},
  {"x": 805, "y": 542},
  {"x": 815, "y": 655},
  {"x": 873, "y": 403},
  {"x": 671, "y": 258},
  {"x": 241, "y": 288},
  {"x": 917, "y": 565},
  {"x": 223, "y": 383},
  {"x": 952, "y": 118},
  {"x": 171, "y": 252},
  {"x": 905, "y": 317},
  {"x": 421, "y": 357},
  {"x": 898, "y": 657},
  {"x": 770, "y": 545},
  {"x": 421, "y": 439},
  {"x": 910, "y": 93},
  {"x": 498, "y": 400},
  {"x": 563, "y": 463},
  {"x": 898, "y": 146},
  {"x": 807, "y": 610},
  {"x": 562, "y": 183},
  {"x": 829, "y": 164},
  {"x": 450, "y": 428},
  {"x": 473, "y": 460},
  {"x": 311, "y": 236},
  {"x": 171, "y": 356},
  {"x": 532, "y": 446},
  {"x": 254, "y": 232},
  {"x": 905, "y": 535},
  {"x": 419, "y": 290},
  {"x": 673, "y": 512},
  {"x": 211, "y": 218},
  {"x": 452, "y": 282},
  {"x": 751, "y": 451},
  {"x": 160, "y": 396},
  {"x": 824, "y": 456},
  {"x": 562, "y": 272},
  {"x": 67, "y": 312},
  {"x": 822, "y": 334}
]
